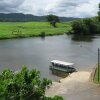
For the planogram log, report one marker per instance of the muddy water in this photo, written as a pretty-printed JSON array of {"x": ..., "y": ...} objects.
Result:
[{"x": 37, "y": 53}]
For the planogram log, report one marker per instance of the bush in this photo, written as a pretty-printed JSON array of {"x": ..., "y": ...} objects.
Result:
[
  {"x": 79, "y": 27},
  {"x": 86, "y": 26},
  {"x": 23, "y": 85}
]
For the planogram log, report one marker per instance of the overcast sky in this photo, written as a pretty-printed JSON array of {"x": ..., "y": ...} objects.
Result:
[{"x": 67, "y": 8}]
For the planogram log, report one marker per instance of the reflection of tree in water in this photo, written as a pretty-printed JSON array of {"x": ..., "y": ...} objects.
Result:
[
  {"x": 85, "y": 38},
  {"x": 60, "y": 73}
]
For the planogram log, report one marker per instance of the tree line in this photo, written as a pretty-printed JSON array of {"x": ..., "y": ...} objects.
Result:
[{"x": 87, "y": 25}]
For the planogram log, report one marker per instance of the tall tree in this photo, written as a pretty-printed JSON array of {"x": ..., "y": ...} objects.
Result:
[{"x": 53, "y": 19}]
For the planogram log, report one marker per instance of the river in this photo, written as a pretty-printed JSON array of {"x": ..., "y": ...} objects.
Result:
[{"x": 38, "y": 52}]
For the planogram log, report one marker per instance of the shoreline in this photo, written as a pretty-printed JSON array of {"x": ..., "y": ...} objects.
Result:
[
  {"x": 10, "y": 30},
  {"x": 34, "y": 36},
  {"x": 37, "y": 35}
]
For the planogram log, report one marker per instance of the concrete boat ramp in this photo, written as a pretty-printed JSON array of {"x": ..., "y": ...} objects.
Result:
[{"x": 77, "y": 86}]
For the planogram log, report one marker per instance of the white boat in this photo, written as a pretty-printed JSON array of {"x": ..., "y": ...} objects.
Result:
[{"x": 62, "y": 66}]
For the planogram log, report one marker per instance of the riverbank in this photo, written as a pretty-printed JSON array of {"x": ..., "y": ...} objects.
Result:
[
  {"x": 31, "y": 29},
  {"x": 96, "y": 76},
  {"x": 75, "y": 87}
]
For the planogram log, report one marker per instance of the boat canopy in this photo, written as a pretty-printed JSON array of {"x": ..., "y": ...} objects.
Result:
[{"x": 62, "y": 63}]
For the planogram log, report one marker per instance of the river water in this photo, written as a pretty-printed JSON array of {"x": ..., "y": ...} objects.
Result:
[{"x": 38, "y": 52}]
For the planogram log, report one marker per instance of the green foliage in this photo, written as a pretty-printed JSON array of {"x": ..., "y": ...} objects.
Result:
[
  {"x": 23, "y": 85},
  {"x": 99, "y": 13},
  {"x": 91, "y": 25},
  {"x": 86, "y": 26},
  {"x": 53, "y": 19},
  {"x": 95, "y": 77},
  {"x": 54, "y": 98},
  {"x": 79, "y": 27},
  {"x": 57, "y": 98}
]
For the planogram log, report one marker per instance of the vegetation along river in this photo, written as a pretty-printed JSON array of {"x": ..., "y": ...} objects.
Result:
[{"x": 38, "y": 52}]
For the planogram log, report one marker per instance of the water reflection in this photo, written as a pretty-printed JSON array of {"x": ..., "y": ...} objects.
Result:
[
  {"x": 86, "y": 38},
  {"x": 59, "y": 73},
  {"x": 42, "y": 38}
]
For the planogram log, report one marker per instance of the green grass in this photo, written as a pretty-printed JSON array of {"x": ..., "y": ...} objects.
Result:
[
  {"x": 96, "y": 76},
  {"x": 31, "y": 29}
]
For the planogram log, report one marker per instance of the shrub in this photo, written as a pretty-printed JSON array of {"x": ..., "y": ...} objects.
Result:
[
  {"x": 86, "y": 26},
  {"x": 23, "y": 85}
]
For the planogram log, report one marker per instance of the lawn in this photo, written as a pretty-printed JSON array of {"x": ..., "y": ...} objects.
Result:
[
  {"x": 31, "y": 29},
  {"x": 96, "y": 75}
]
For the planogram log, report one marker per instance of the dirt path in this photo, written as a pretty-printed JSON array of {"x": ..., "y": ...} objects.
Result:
[{"x": 76, "y": 87}]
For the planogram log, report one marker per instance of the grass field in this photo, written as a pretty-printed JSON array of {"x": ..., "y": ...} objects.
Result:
[
  {"x": 96, "y": 75},
  {"x": 31, "y": 29}
]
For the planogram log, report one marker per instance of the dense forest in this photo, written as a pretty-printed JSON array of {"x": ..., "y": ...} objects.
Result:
[{"x": 20, "y": 17}]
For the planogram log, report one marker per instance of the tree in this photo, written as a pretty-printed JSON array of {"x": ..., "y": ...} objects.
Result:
[
  {"x": 91, "y": 25},
  {"x": 24, "y": 85},
  {"x": 79, "y": 27},
  {"x": 53, "y": 19},
  {"x": 99, "y": 13},
  {"x": 85, "y": 26}
]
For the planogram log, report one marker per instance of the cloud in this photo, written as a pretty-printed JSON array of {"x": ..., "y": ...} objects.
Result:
[
  {"x": 7, "y": 6},
  {"x": 67, "y": 8},
  {"x": 71, "y": 8}
]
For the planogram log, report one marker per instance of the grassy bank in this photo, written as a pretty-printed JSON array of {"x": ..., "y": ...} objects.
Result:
[
  {"x": 95, "y": 79},
  {"x": 31, "y": 29}
]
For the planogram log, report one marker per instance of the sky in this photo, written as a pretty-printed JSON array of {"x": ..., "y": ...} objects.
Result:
[{"x": 65, "y": 8}]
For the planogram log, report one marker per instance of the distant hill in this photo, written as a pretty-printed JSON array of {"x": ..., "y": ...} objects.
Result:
[{"x": 20, "y": 17}]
